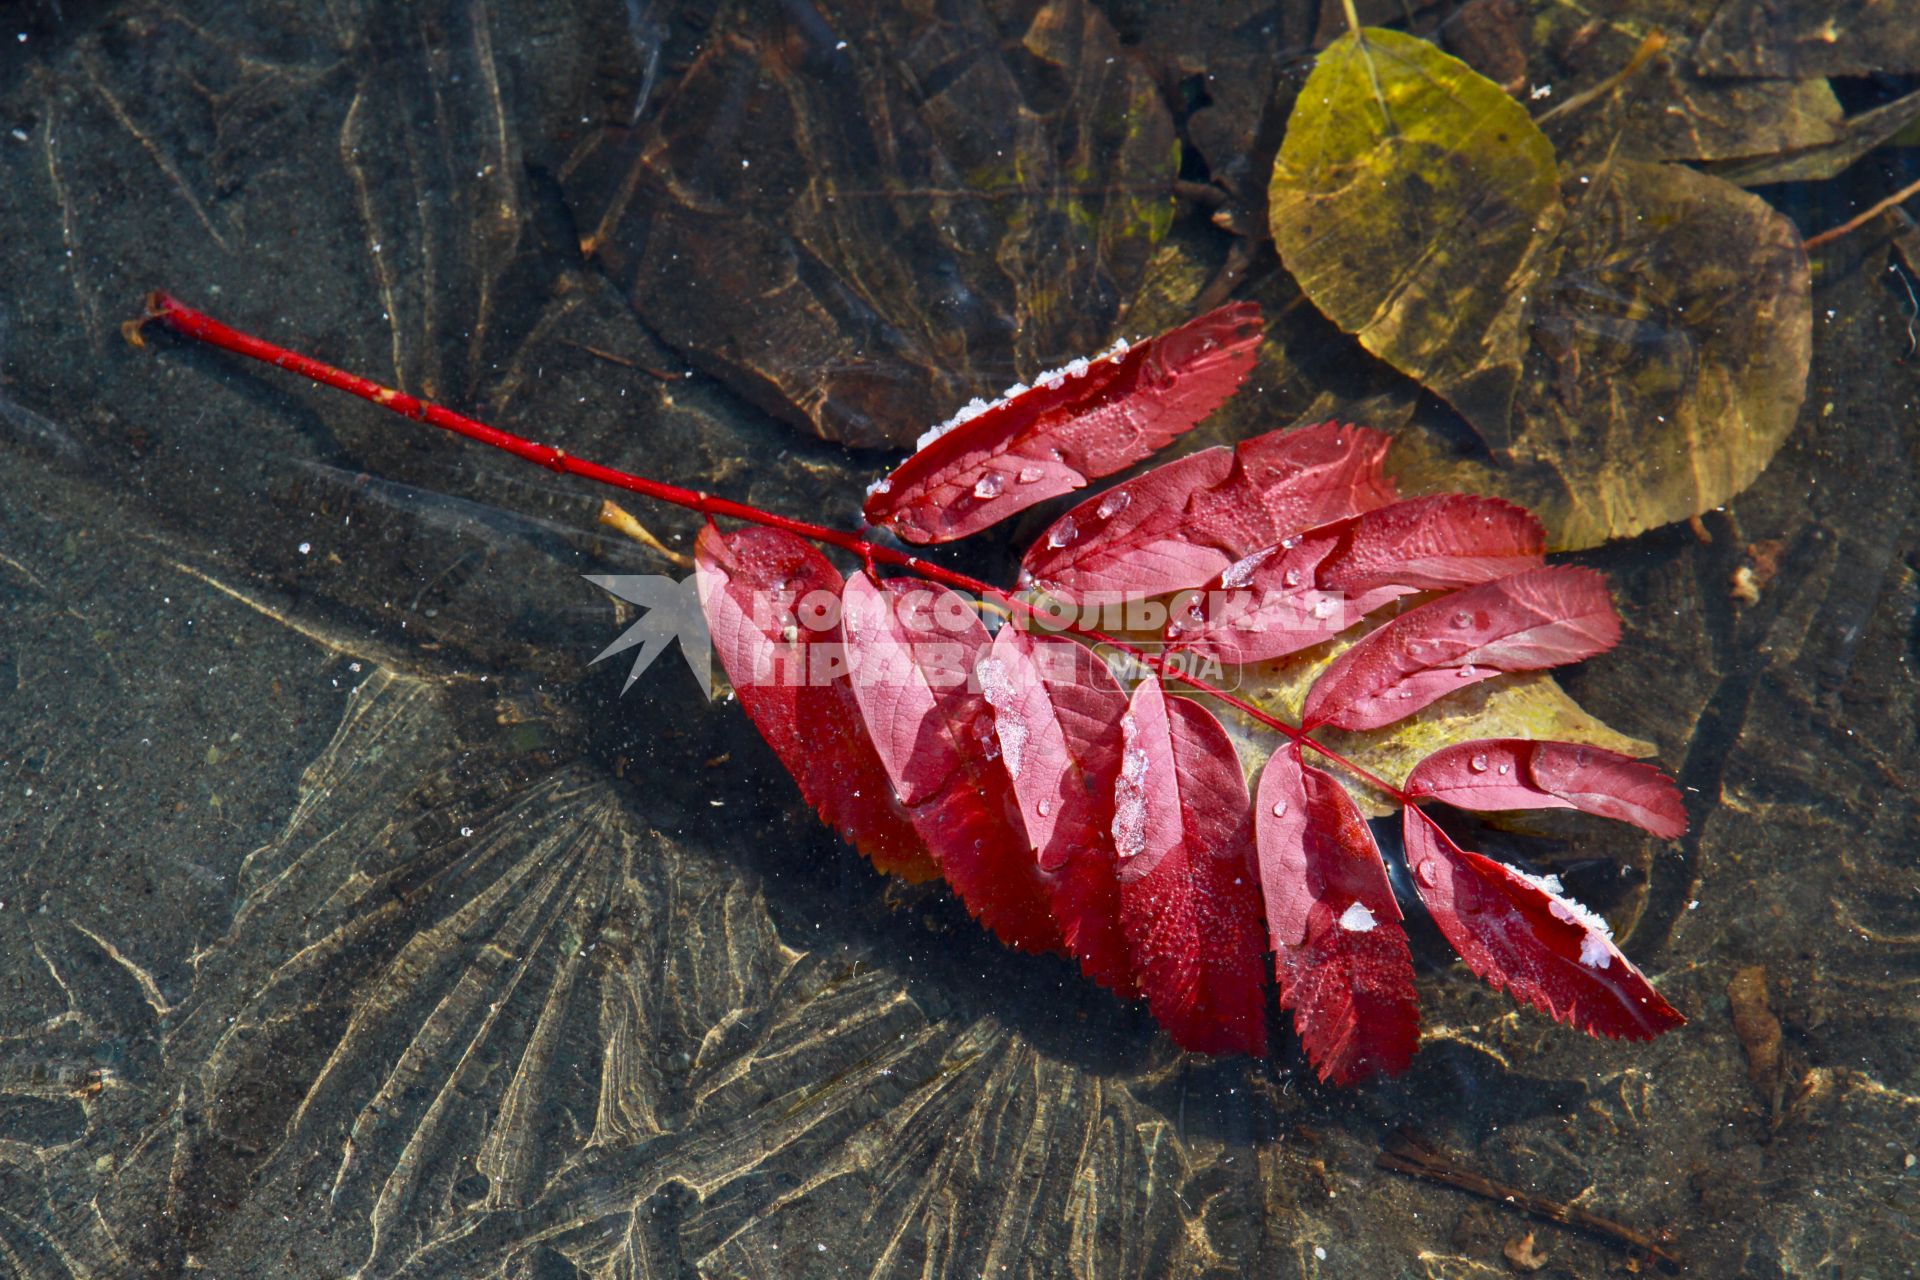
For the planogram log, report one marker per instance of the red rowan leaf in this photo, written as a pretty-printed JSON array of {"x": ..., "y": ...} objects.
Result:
[
  {"x": 790, "y": 674},
  {"x": 1064, "y": 812},
  {"x": 912, "y": 647},
  {"x": 1289, "y": 597},
  {"x": 1183, "y": 523},
  {"x": 1539, "y": 618},
  {"x": 1057, "y": 711},
  {"x": 1522, "y": 935},
  {"x": 1340, "y": 956},
  {"x": 1188, "y": 896},
  {"x": 1090, "y": 419},
  {"x": 1512, "y": 773}
]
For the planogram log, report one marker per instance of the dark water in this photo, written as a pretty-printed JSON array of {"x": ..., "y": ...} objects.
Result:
[{"x": 351, "y": 923}]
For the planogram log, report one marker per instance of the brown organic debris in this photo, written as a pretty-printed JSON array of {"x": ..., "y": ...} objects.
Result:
[
  {"x": 1759, "y": 1031},
  {"x": 1751, "y": 578},
  {"x": 1412, "y": 1155},
  {"x": 1523, "y": 1254}
]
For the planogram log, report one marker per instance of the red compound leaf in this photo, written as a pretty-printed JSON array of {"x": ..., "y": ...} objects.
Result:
[
  {"x": 1066, "y": 814},
  {"x": 1512, "y": 773},
  {"x": 1539, "y": 618},
  {"x": 1090, "y": 419},
  {"x": 1057, "y": 711},
  {"x": 1340, "y": 956},
  {"x": 1184, "y": 523},
  {"x": 1522, "y": 935},
  {"x": 911, "y": 650},
  {"x": 1188, "y": 889},
  {"x": 772, "y": 604}
]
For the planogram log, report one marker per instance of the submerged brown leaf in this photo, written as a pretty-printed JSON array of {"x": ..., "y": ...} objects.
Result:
[
  {"x": 1667, "y": 109},
  {"x": 1852, "y": 140},
  {"x": 1669, "y": 357},
  {"x": 854, "y": 233}
]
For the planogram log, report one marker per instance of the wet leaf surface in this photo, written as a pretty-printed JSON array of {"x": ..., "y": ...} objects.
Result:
[
  {"x": 1638, "y": 366},
  {"x": 1529, "y": 705},
  {"x": 1668, "y": 358}
]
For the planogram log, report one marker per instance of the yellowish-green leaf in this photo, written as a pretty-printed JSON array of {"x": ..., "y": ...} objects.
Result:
[{"x": 1417, "y": 206}]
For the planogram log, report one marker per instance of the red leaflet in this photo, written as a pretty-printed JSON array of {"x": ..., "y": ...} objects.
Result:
[
  {"x": 1339, "y": 955},
  {"x": 1187, "y": 884},
  {"x": 1448, "y": 540},
  {"x": 1289, "y": 597},
  {"x": 772, "y": 604},
  {"x": 1267, "y": 605},
  {"x": 1512, "y": 773},
  {"x": 1090, "y": 419},
  {"x": 1057, "y": 710},
  {"x": 911, "y": 647},
  {"x": 1521, "y": 934},
  {"x": 1540, "y": 618},
  {"x": 1183, "y": 523}
]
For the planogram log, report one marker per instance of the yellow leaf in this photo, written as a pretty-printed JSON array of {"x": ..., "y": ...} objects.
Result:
[{"x": 1417, "y": 205}]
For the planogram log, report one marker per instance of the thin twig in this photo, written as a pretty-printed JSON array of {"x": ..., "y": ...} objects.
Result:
[
  {"x": 1861, "y": 219},
  {"x": 1417, "y": 1158},
  {"x": 1654, "y": 42},
  {"x": 664, "y": 375}
]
